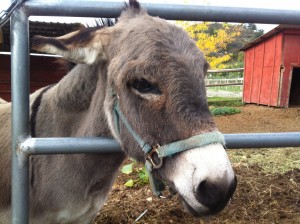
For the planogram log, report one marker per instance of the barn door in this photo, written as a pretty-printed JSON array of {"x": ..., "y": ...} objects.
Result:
[{"x": 294, "y": 99}]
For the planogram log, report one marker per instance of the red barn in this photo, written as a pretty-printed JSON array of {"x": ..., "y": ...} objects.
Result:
[
  {"x": 272, "y": 68},
  {"x": 44, "y": 69}
]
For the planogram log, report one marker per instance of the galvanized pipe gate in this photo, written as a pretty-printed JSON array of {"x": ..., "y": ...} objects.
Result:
[{"x": 23, "y": 145}]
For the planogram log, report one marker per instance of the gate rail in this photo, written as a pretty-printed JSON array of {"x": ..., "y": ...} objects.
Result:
[{"x": 23, "y": 145}]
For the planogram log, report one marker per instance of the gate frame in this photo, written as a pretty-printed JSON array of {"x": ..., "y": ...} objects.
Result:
[{"x": 23, "y": 145}]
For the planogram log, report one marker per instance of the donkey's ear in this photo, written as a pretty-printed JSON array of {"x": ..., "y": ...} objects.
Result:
[{"x": 82, "y": 46}]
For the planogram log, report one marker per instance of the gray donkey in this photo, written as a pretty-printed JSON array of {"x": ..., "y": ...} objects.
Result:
[{"x": 142, "y": 83}]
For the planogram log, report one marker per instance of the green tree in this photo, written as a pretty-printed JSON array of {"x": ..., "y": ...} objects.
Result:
[
  {"x": 213, "y": 39},
  {"x": 221, "y": 42}
]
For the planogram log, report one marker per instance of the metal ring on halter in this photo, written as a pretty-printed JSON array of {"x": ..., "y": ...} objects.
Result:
[{"x": 150, "y": 158}]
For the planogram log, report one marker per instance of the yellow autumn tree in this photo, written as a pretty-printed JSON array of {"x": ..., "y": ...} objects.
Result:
[{"x": 213, "y": 39}]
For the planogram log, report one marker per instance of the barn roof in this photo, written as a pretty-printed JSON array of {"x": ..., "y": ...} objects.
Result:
[
  {"x": 48, "y": 29},
  {"x": 267, "y": 35}
]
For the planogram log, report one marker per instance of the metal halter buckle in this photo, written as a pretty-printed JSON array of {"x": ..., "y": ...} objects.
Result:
[{"x": 150, "y": 157}]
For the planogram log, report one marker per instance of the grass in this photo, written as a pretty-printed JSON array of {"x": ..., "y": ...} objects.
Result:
[
  {"x": 215, "y": 99},
  {"x": 220, "y": 106},
  {"x": 221, "y": 111},
  {"x": 227, "y": 88},
  {"x": 233, "y": 103},
  {"x": 225, "y": 102},
  {"x": 275, "y": 161}
]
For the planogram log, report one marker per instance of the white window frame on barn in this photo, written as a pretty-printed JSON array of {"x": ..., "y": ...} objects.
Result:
[{"x": 24, "y": 146}]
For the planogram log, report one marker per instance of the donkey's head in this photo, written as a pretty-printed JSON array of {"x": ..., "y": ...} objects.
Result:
[{"x": 155, "y": 95}]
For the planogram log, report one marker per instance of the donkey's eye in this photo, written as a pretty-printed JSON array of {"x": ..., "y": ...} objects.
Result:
[{"x": 143, "y": 86}]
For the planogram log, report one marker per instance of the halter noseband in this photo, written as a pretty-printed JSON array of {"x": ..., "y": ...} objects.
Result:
[{"x": 165, "y": 150}]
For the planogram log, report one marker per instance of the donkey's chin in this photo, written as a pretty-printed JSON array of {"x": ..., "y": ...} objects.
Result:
[{"x": 200, "y": 210}]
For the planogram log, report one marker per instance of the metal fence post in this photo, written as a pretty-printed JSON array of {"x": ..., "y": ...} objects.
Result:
[
  {"x": 20, "y": 83},
  {"x": 20, "y": 115}
]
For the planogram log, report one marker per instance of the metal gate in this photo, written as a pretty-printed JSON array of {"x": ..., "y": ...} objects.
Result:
[{"x": 23, "y": 145}]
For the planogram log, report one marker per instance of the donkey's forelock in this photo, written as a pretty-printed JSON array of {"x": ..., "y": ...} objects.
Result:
[
  {"x": 133, "y": 4},
  {"x": 132, "y": 9}
]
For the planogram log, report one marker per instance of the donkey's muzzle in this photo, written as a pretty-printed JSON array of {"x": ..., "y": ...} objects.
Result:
[{"x": 215, "y": 195}]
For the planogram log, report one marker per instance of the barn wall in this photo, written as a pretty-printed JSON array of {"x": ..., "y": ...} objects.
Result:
[
  {"x": 248, "y": 71},
  {"x": 291, "y": 56},
  {"x": 262, "y": 71},
  {"x": 44, "y": 71}
]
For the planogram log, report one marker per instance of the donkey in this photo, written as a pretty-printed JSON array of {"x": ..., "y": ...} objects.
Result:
[{"x": 142, "y": 83}]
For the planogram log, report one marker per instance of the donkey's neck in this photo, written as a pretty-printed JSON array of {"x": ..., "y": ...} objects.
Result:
[
  {"x": 74, "y": 92},
  {"x": 74, "y": 107}
]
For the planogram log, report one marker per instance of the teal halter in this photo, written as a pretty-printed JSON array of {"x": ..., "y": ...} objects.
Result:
[{"x": 165, "y": 150}]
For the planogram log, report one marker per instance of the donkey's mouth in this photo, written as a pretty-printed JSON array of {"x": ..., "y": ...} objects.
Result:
[
  {"x": 201, "y": 211},
  {"x": 204, "y": 211}
]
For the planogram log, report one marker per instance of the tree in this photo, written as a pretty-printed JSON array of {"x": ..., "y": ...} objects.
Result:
[
  {"x": 221, "y": 42},
  {"x": 213, "y": 39}
]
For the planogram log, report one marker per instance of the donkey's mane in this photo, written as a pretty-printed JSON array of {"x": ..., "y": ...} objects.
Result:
[
  {"x": 34, "y": 109},
  {"x": 104, "y": 22}
]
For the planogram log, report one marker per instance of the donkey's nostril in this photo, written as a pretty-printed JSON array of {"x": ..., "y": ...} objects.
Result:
[
  {"x": 215, "y": 196},
  {"x": 209, "y": 194}
]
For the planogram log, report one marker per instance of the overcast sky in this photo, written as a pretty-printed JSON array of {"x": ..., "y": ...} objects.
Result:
[{"x": 274, "y": 4}]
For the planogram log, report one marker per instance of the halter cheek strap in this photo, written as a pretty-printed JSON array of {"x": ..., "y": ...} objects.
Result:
[{"x": 165, "y": 150}]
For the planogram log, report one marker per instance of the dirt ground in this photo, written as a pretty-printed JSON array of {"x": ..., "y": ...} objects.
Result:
[
  {"x": 256, "y": 119},
  {"x": 268, "y": 180}
]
